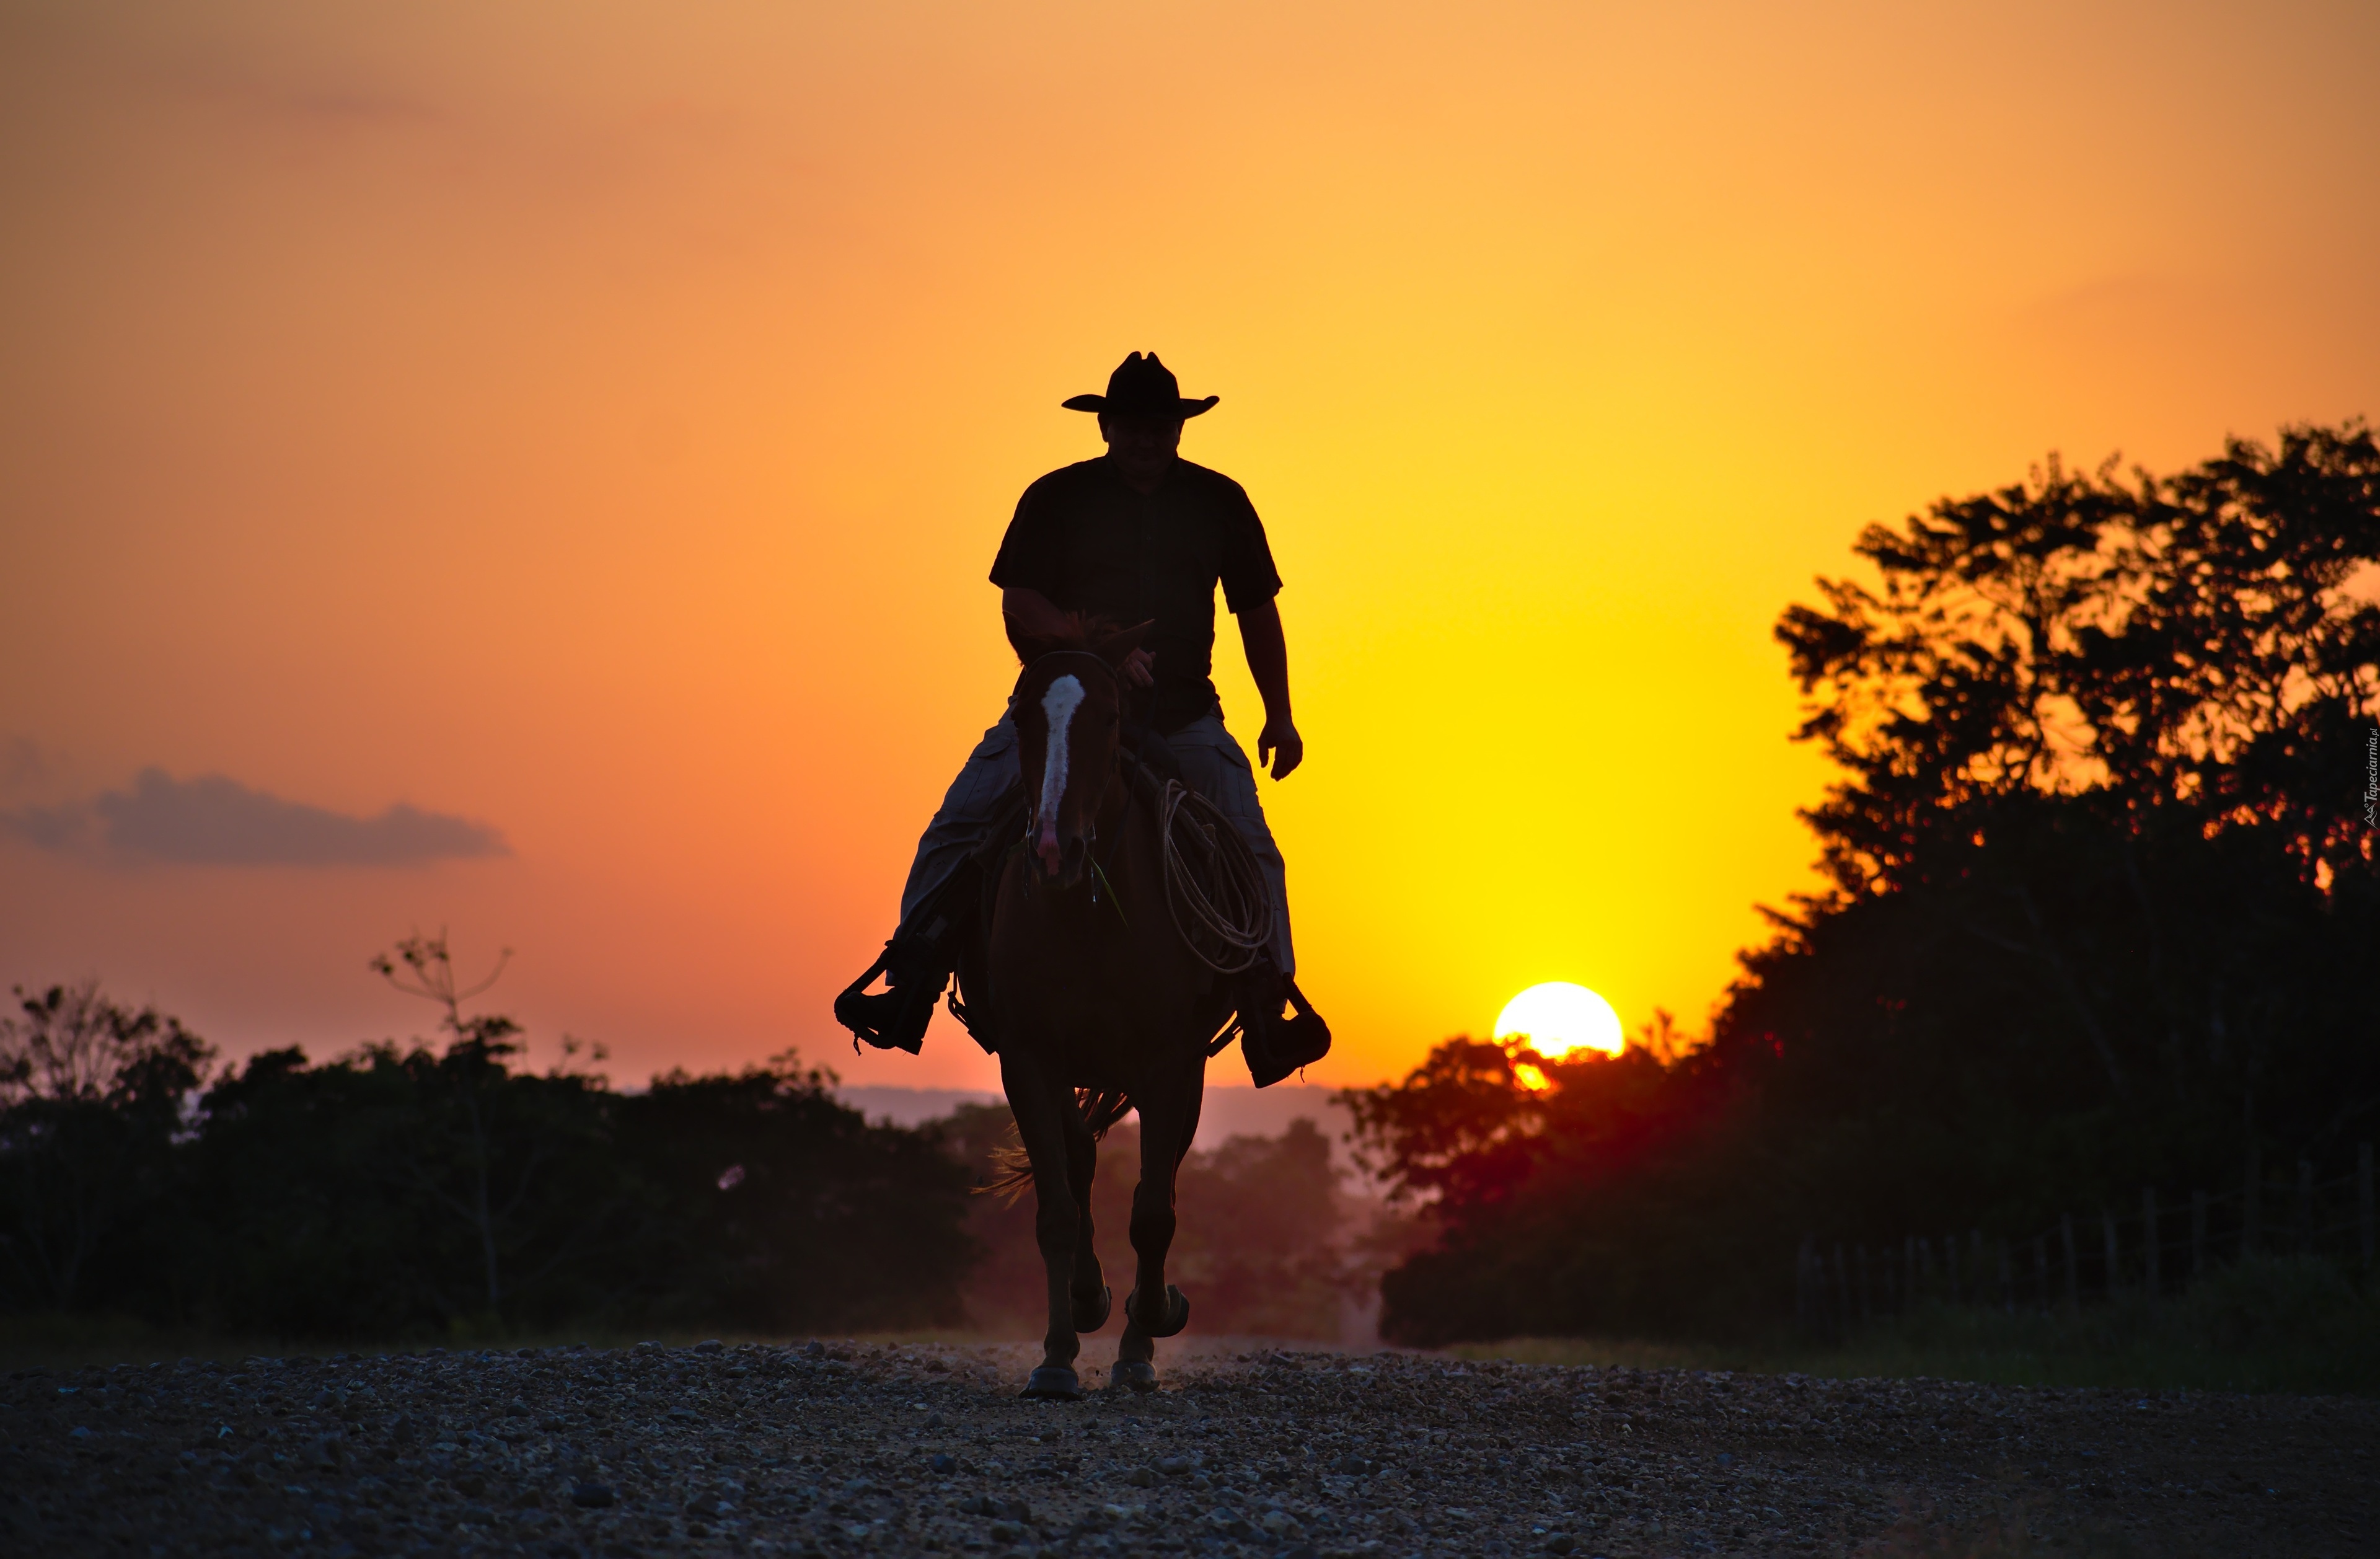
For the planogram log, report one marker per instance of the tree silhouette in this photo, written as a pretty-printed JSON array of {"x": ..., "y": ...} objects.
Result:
[
  {"x": 397, "y": 1192},
  {"x": 2101, "y": 896},
  {"x": 92, "y": 1097},
  {"x": 430, "y": 973},
  {"x": 478, "y": 1124}
]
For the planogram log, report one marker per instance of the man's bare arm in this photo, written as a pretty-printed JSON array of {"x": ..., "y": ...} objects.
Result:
[
  {"x": 1268, "y": 652},
  {"x": 1030, "y": 614}
]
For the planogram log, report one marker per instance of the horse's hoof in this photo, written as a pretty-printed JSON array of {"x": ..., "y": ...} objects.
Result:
[
  {"x": 1092, "y": 1320},
  {"x": 1177, "y": 1312},
  {"x": 1053, "y": 1382},
  {"x": 1133, "y": 1374}
]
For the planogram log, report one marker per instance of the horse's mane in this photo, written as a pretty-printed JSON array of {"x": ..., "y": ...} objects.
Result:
[{"x": 1083, "y": 630}]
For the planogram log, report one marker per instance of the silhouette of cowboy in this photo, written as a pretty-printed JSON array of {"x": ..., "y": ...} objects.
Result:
[{"x": 1137, "y": 535}]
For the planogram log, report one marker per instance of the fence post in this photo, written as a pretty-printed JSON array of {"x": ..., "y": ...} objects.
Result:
[
  {"x": 2073, "y": 1271},
  {"x": 2149, "y": 1240},
  {"x": 2305, "y": 1207},
  {"x": 2041, "y": 1272},
  {"x": 2363, "y": 1197},
  {"x": 2107, "y": 1222},
  {"x": 1952, "y": 1289},
  {"x": 2250, "y": 1198},
  {"x": 1909, "y": 1290},
  {"x": 1867, "y": 1289},
  {"x": 1978, "y": 1266},
  {"x": 2007, "y": 1279},
  {"x": 2197, "y": 1235}
]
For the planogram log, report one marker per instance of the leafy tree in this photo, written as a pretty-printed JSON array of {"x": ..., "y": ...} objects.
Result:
[
  {"x": 1262, "y": 1245},
  {"x": 91, "y": 1100},
  {"x": 2104, "y": 743},
  {"x": 785, "y": 1210},
  {"x": 1267, "y": 1222},
  {"x": 1602, "y": 1201},
  {"x": 481, "y": 1137},
  {"x": 2100, "y": 899},
  {"x": 402, "y": 1192},
  {"x": 346, "y": 1194}
]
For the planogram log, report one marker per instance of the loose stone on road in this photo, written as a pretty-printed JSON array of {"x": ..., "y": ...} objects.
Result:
[{"x": 846, "y": 1448}]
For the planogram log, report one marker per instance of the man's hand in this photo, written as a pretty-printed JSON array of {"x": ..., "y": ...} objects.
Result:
[
  {"x": 1281, "y": 736},
  {"x": 1137, "y": 669},
  {"x": 1260, "y": 636}
]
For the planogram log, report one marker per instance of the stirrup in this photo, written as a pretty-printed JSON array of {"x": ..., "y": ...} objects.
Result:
[
  {"x": 894, "y": 1018},
  {"x": 1274, "y": 1046}
]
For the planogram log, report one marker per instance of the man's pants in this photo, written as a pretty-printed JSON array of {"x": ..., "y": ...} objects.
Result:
[{"x": 1210, "y": 760}]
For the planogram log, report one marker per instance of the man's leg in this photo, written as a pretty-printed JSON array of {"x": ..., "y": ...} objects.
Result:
[
  {"x": 969, "y": 809},
  {"x": 1271, "y": 1044},
  {"x": 918, "y": 960}
]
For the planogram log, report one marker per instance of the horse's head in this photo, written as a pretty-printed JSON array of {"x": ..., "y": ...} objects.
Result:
[{"x": 1068, "y": 709}]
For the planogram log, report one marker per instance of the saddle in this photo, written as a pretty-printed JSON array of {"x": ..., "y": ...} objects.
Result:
[
  {"x": 951, "y": 939},
  {"x": 1149, "y": 764}
]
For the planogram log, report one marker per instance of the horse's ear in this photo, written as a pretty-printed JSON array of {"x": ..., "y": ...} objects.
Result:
[
  {"x": 1028, "y": 649},
  {"x": 1116, "y": 646}
]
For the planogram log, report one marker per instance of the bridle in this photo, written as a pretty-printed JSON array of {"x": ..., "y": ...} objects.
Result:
[{"x": 1099, "y": 875}]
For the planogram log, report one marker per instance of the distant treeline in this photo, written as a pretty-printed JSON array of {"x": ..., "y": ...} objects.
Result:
[
  {"x": 413, "y": 1192},
  {"x": 1269, "y": 1243},
  {"x": 2102, "y": 912},
  {"x": 400, "y": 1192}
]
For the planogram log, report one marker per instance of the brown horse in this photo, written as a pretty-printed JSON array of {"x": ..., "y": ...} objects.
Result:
[{"x": 1100, "y": 1005}]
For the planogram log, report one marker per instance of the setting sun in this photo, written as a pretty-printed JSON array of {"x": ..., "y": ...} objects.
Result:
[{"x": 1558, "y": 1017}]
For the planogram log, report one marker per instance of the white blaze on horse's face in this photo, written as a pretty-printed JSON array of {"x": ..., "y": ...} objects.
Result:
[{"x": 1058, "y": 706}]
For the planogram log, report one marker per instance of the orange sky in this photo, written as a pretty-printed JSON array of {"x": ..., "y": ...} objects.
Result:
[{"x": 596, "y": 422}]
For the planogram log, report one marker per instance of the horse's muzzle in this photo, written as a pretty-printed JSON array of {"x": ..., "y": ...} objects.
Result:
[{"x": 1060, "y": 861}]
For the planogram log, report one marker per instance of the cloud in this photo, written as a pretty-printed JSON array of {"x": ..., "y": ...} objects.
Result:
[
  {"x": 22, "y": 766},
  {"x": 213, "y": 820}
]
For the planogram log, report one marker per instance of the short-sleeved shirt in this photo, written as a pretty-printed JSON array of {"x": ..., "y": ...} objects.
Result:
[{"x": 1092, "y": 543}]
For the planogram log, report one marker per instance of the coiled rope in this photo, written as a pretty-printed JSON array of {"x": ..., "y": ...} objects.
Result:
[{"x": 1212, "y": 882}]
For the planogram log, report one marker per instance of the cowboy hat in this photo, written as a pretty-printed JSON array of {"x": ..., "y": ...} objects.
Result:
[{"x": 1141, "y": 386}]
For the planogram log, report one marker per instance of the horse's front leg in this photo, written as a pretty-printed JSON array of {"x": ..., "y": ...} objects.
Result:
[
  {"x": 1040, "y": 1111},
  {"x": 1087, "y": 1293},
  {"x": 1169, "y": 1122}
]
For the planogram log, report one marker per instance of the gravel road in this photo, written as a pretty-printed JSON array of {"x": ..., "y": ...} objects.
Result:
[{"x": 844, "y": 1448}]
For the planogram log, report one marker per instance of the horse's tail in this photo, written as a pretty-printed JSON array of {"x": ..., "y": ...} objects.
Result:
[
  {"x": 1101, "y": 1111},
  {"x": 1013, "y": 1169}
]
